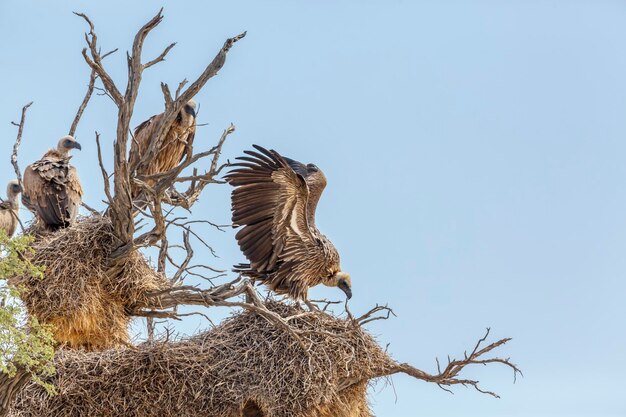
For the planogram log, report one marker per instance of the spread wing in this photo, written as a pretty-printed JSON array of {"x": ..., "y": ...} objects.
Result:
[
  {"x": 52, "y": 191},
  {"x": 270, "y": 202}
]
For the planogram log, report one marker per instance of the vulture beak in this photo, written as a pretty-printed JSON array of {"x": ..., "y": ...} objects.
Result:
[
  {"x": 76, "y": 145},
  {"x": 343, "y": 286},
  {"x": 190, "y": 110}
]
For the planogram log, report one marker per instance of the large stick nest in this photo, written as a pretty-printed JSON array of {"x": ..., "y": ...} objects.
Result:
[
  {"x": 246, "y": 363},
  {"x": 81, "y": 295}
]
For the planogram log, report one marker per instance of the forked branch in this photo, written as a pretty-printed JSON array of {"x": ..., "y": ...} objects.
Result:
[
  {"x": 83, "y": 105},
  {"x": 450, "y": 374},
  {"x": 18, "y": 142},
  {"x": 121, "y": 204}
]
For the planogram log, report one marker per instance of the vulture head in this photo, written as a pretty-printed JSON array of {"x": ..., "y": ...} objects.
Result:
[
  {"x": 187, "y": 116},
  {"x": 13, "y": 190},
  {"x": 342, "y": 281},
  {"x": 66, "y": 144}
]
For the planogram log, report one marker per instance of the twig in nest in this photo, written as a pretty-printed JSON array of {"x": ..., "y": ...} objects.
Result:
[
  {"x": 90, "y": 209},
  {"x": 160, "y": 301},
  {"x": 370, "y": 315}
]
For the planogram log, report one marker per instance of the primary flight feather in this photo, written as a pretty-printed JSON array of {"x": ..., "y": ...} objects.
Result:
[{"x": 274, "y": 201}]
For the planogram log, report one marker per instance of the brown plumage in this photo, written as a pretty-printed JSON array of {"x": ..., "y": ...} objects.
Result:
[
  {"x": 275, "y": 200},
  {"x": 9, "y": 208},
  {"x": 173, "y": 147},
  {"x": 52, "y": 189}
]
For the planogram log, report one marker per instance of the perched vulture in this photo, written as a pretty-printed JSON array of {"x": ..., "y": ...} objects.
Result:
[
  {"x": 52, "y": 189},
  {"x": 9, "y": 208},
  {"x": 173, "y": 147},
  {"x": 274, "y": 200}
]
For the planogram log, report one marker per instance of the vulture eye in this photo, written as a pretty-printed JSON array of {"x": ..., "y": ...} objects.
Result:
[
  {"x": 312, "y": 167},
  {"x": 67, "y": 143},
  {"x": 16, "y": 188}
]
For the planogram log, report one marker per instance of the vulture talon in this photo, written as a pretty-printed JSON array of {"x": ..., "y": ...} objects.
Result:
[{"x": 312, "y": 307}]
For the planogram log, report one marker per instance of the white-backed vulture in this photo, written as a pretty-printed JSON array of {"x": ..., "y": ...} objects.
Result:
[
  {"x": 52, "y": 189},
  {"x": 172, "y": 149},
  {"x": 275, "y": 200},
  {"x": 9, "y": 209}
]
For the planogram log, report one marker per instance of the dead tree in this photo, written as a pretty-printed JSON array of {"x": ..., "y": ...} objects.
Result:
[{"x": 126, "y": 242}]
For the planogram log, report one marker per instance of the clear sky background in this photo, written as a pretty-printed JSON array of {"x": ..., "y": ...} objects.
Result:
[{"x": 474, "y": 151}]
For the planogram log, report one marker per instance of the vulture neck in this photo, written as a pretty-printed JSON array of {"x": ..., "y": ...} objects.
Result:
[
  {"x": 57, "y": 154},
  {"x": 14, "y": 201}
]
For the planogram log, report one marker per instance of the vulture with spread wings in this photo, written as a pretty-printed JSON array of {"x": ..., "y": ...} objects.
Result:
[
  {"x": 52, "y": 189},
  {"x": 9, "y": 208},
  {"x": 275, "y": 200},
  {"x": 172, "y": 150}
]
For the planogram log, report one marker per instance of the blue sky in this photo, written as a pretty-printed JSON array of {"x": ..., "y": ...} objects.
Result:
[{"x": 474, "y": 151}]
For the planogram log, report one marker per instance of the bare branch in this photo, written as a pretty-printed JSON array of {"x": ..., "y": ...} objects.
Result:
[
  {"x": 180, "y": 87},
  {"x": 121, "y": 204},
  {"x": 160, "y": 301},
  {"x": 198, "y": 182},
  {"x": 167, "y": 96},
  {"x": 160, "y": 57},
  {"x": 9, "y": 387},
  {"x": 209, "y": 72},
  {"x": 105, "y": 175},
  {"x": 370, "y": 315},
  {"x": 90, "y": 209},
  {"x": 183, "y": 266},
  {"x": 90, "y": 87},
  {"x": 449, "y": 376},
  {"x": 95, "y": 61},
  {"x": 18, "y": 142}
]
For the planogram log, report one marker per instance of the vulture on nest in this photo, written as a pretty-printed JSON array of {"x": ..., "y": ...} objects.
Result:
[
  {"x": 52, "y": 189},
  {"x": 274, "y": 200},
  {"x": 9, "y": 208},
  {"x": 171, "y": 151}
]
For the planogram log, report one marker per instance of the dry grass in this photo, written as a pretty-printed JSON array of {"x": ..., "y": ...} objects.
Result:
[
  {"x": 76, "y": 295},
  {"x": 245, "y": 362}
]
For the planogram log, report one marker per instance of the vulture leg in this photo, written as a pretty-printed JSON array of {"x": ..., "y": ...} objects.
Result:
[{"x": 312, "y": 307}]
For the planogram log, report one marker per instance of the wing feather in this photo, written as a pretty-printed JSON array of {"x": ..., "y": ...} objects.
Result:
[
  {"x": 268, "y": 194},
  {"x": 52, "y": 191},
  {"x": 271, "y": 200},
  {"x": 141, "y": 139}
]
